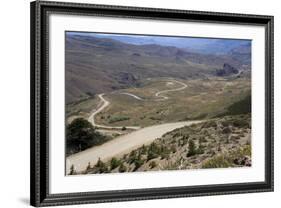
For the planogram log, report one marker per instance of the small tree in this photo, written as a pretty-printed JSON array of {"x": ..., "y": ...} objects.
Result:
[
  {"x": 114, "y": 163},
  {"x": 191, "y": 148},
  {"x": 200, "y": 149},
  {"x": 138, "y": 162},
  {"x": 153, "y": 151},
  {"x": 80, "y": 135},
  {"x": 89, "y": 166},
  {"x": 72, "y": 170},
  {"x": 102, "y": 168}
]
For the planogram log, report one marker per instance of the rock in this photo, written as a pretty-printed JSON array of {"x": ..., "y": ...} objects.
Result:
[
  {"x": 127, "y": 78},
  {"x": 226, "y": 70},
  {"x": 243, "y": 161}
]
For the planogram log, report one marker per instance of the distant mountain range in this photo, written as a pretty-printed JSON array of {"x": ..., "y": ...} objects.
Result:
[
  {"x": 199, "y": 45},
  {"x": 103, "y": 64}
]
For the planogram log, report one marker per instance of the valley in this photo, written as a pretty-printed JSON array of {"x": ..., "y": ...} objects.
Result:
[{"x": 144, "y": 106}]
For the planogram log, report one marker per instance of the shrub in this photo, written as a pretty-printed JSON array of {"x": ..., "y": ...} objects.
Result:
[
  {"x": 209, "y": 124},
  {"x": 122, "y": 168},
  {"x": 200, "y": 149},
  {"x": 80, "y": 135},
  {"x": 143, "y": 149},
  {"x": 191, "y": 148},
  {"x": 114, "y": 163},
  {"x": 151, "y": 155},
  {"x": 202, "y": 140},
  {"x": 89, "y": 166},
  {"x": 153, "y": 151},
  {"x": 101, "y": 166},
  {"x": 118, "y": 119},
  {"x": 217, "y": 162},
  {"x": 72, "y": 170},
  {"x": 138, "y": 162},
  {"x": 152, "y": 164},
  {"x": 132, "y": 156},
  {"x": 228, "y": 160},
  {"x": 226, "y": 130}
]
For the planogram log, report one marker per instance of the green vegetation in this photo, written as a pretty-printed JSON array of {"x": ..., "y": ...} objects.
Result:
[
  {"x": 242, "y": 106},
  {"x": 138, "y": 162},
  {"x": 217, "y": 162},
  {"x": 217, "y": 143},
  {"x": 203, "y": 99},
  {"x": 80, "y": 135},
  {"x": 118, "y": 119},
  {"x": 234, "y": 158},
  {"x": 191, "y": 148},
  {"x": 114, "y": 163},
  {"x": 241, "y": 121},
  {"x": 101, "y": 166},
  {"x": 156, "y": 150}
]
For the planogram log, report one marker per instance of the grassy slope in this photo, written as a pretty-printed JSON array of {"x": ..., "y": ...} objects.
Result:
[{"x": 201, "y": 99}]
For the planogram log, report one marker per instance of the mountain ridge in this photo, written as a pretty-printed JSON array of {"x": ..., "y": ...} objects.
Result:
[{"x": 96, "y": 65}]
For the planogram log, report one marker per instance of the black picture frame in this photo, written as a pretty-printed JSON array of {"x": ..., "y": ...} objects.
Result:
[{"x": 39, "y": 189}]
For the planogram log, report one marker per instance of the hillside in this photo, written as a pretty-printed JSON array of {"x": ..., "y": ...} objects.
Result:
[
  {"x": 218, "y": 143},
  {"x": 97, "y": 65}
]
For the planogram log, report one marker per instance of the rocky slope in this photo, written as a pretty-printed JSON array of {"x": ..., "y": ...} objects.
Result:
[{"x": 219, "y": 143}]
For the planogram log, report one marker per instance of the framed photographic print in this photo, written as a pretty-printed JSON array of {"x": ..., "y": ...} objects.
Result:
[{"x": 132, "y": 103}]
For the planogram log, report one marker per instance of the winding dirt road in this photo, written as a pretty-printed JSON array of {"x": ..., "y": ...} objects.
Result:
[
  {"x": 132, "y": 95},
  {"x": 121, "y": 145},
  {"x": 106, "y": 103},
  {"x": 163, "y": 97},
  {"x": 125, "y": 143}
]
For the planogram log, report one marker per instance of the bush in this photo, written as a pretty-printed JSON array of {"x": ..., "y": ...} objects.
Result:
[
  {"x": 89, "y": 166},
  {"x": 202, "y": 140},
  {"x": 72, "y": 170},
  {"x": 118, "y": 119},
  {"x": 143, "y": 150},
  {"x": 80, "y": 135},
  {"x": 228, "y": 160},
  {"x": 101, "y": 166},
  {"x": 200, "y": 149},
  {"x": 191, "y": 148},
  {"x": 217, "y": 162},
  {"x": 153, "y": 151},
  {"x": 132, "y": 157},
  {"x": 152, "y": 164},
  {"x": 114, "y": 163},
  {"x": 138, "y": 163}
]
